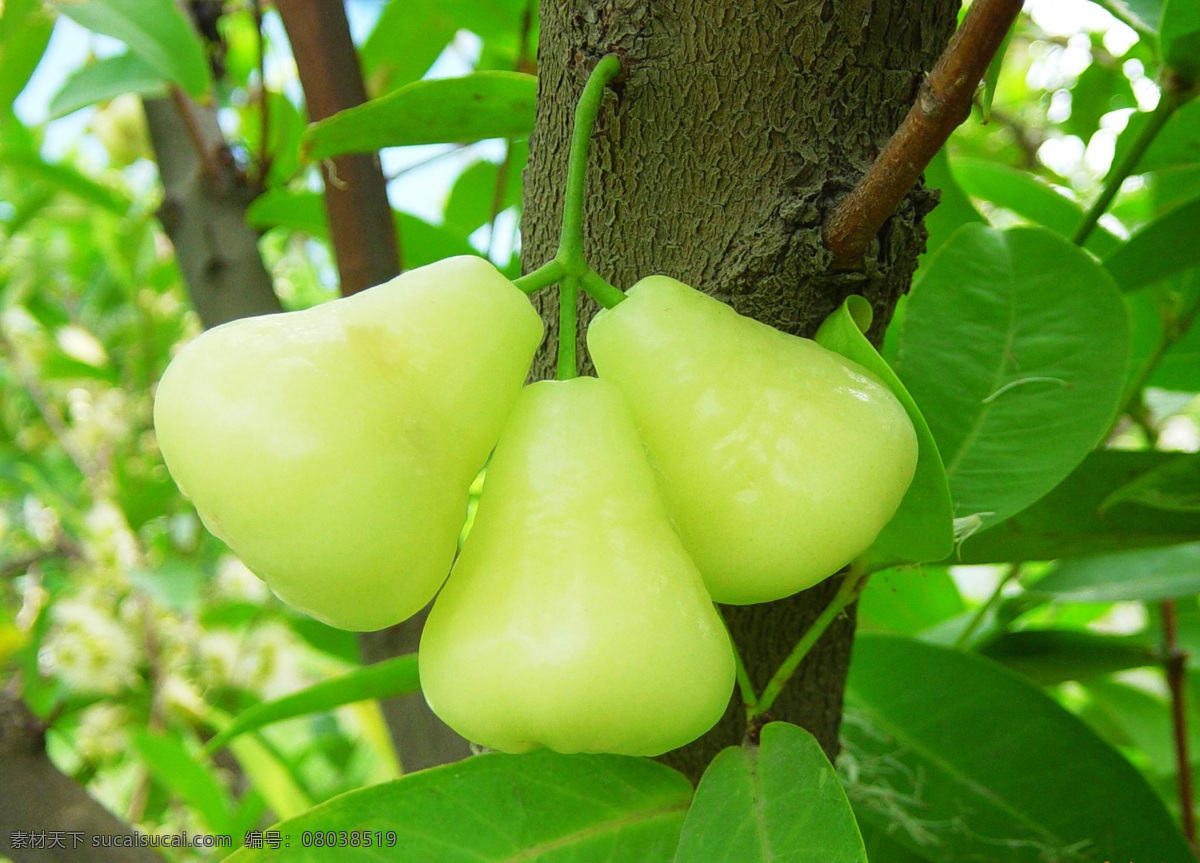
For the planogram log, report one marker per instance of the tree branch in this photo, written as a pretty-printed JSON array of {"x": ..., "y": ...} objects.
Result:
[
  {"x": 943, "y": 102},
  {"x": 36, "y": 796},
  {"x": 360, "y": 217},
  {"x": 205, "y": 215},
  {"x": 366, "y": 246}
]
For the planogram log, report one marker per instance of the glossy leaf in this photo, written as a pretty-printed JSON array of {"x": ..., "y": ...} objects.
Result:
[
  {"x": 1015, "y": 346},
  {"x": 1168, "y": 245},
  {"x": 386, "y": 679},
  {"x": 922, "y": 529},
  {"x": 1146, "y": 574},
  {"x": 992, "y": 76},
  {"x": 106, "y": 79},
  {"x": 1029, "y": 197},
  {"x": 410, "y": 34},
  {"x": 539, "y": 806},
  {"x": 1179, "y": 35},
  {"x": 908, "y": 600},
  {"x": 155, "y": 30},
  {"x": 1141, "y": 15},
  {"x": 778, "y": 802},
  {"x": 949, "y": 757},
  {"x": 24, "y": 33},
  {"x": 304, "y": 211},
  {"x": 1074, "y": 520},
  {"x": 1051, "y": 656},
  {"x": 954, "y": 208},
  {"x": 176, "y": 768},
  {"x": 1174, "y": 486},
  {"x": 445, "y": 110},
  {"x": 1177, "y": 144},
  {"x": 474, "y": 194}
]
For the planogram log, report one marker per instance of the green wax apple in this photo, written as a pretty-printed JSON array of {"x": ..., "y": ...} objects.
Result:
[
  {"x": 333, "y": 448},
  {"x": 780, "y": 461},
  {"x": 574, "y": 618}
]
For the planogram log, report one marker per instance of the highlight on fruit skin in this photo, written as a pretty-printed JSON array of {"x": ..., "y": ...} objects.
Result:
[
  {"x": 332, "y": 449},
  {"x": 780, "y": 461},
  {"x": 574, "y": 618}
]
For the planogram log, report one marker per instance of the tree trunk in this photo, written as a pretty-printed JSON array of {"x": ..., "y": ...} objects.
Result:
[{"x": 738, "y": 127}]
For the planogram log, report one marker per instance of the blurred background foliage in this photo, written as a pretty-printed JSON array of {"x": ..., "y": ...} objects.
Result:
[{"x": 136, "y": 636}]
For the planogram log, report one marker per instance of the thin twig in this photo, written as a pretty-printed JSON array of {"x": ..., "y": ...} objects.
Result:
[
  {"x": 943, "y": 102},
  {"x": 207, "y": 159},
  {"x": 1175, "y": 661}
]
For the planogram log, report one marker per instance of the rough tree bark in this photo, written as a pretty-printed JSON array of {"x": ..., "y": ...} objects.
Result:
[{"x": 738, "y": 127}]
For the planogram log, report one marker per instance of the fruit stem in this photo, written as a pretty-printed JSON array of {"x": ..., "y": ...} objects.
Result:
[
  {"x": 851, "y": 587},
  {"x": 745, "y": 684},
  {"x": 568, "y": 296},
  {"x": 543, "y": 277},
  {"x": 570, "y": 245}
]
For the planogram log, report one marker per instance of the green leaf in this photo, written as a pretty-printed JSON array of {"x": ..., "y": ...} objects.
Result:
[
  {"x": 64, "y": 178},
  {"x": 471, "y": 200},
  {"x": 778, "y": 802},
  {"x": 177, "y": 768},
  {"x": 1179, "y": 36},
  {"x": 1077, "y": 519},
  {"x": 155, "y": 30},
  {"x": 1101, "y": 88},
  {"x": 922, "y": 528},
  {"x": 410, "y": 34},
  {"x": 423, "y": 243},
  {"x": 1168, "y": 245},
  {"x": 1144, "y": 574},
  {"x": 1015, "y": 345},
  {"x": 106, "y": 79},
  {"x": 1051, "y": 656},
  {"x": 25, "y": 29},
  {"x": 539, "y": 806},
  {"x": 1029, "y": 197},
  {"x": 387, "y": 679},
  {"x": 1173, "y": 486},
  {"x": 1176, "y": 145},
  {"x": 1141, "y": 15},
  {"x": 992, "y": 76},
  {"x": 949, "y": 757},
  {"x": 446, "y": 110},
  {"x": 908, "y": 600},
  {"x": 954, "y": 208}
]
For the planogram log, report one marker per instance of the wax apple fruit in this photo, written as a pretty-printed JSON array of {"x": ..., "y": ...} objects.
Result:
[
  {"x": 574, "y": 618},
  {"x": 780, "y": 460},
  {"x": 332, "y": 448}
]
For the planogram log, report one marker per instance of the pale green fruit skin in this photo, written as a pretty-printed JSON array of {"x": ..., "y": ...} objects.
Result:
[
  {"x": 574, "y": 618},
  {"x": 333, "y": 448},
  {"x": 780, "y": 461}
]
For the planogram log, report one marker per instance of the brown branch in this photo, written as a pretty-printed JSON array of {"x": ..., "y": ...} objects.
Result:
[
  {"x": 36, "y": 796},
  {"x": 1175, "y": 661},
  {"x": 943, "y": 102},
  {"x": 201, "y": 142},
  {"x": 360, "y": 217}
]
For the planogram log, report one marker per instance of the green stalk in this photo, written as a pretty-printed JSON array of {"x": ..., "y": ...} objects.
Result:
[
  {"x": 543, "y": 277},
  {"x": 1167, "y": 105},
  {"x": 851, "y": 587},
  {"x": 568, "y": 296}
]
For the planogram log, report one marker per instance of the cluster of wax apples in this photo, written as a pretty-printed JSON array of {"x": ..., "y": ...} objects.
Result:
[{"x": 714, "y": 458}]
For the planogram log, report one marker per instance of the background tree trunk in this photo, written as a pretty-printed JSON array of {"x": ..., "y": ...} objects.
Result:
[{"x": 739, "y": 126}]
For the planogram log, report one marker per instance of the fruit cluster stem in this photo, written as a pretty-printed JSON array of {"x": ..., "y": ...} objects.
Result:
[
  {"x": 570, "y": 261},
  {"x": 568, "y": 296}
]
